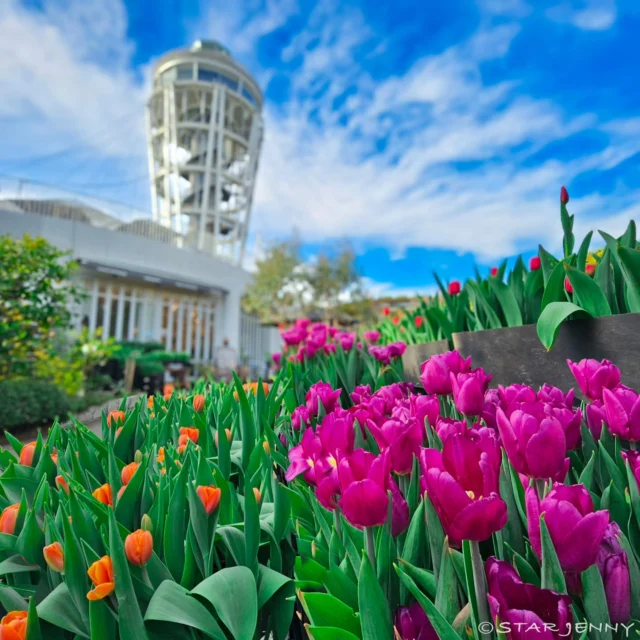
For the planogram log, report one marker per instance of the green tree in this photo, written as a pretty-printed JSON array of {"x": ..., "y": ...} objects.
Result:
[
  {"x": 274, "y": 288},
  {"x": 35, "y": 293}
]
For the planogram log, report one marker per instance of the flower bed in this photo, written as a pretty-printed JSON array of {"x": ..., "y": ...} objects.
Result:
[{"x": 439, "y": 515}]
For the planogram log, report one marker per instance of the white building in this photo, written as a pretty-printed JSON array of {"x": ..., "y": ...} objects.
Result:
[
  {"x": 204, "y": 131},
  {"x": 172, "y": 276}
]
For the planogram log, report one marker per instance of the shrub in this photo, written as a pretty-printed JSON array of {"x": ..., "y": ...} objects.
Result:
[{"x": 30, "y": 402}]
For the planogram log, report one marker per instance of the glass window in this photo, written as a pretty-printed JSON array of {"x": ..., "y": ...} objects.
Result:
[
  {"x": 249, "y": 96},
  {"x": 209, "y": 75},
  {"x": 185, "y": 72}
]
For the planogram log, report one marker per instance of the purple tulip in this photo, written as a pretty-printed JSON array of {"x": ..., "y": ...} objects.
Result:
[
  {"x": 593, "y": 376},
  {"x": 361, "y": 393},
  {"x": 364, "y": 482},
  {"x": 462, "y": 482},
  {"x": 283, "y": 439},
  {"x": 328, "y": 490},
  {"x": 294, "y": 336},
  {"x": 596, "y": 415},
  {"x": 547, "y": 393},
  {"x": 346, "y": 340},
  {"x": 391, "y": 394},
  {"x": 277, "y": 358},
  {"x": 303, "y": 323},
  {"x": 396, "y": 349},
  {"x": 310, "y": 349},
  {"x": 515, "y": 394},
  {"x": 411, "y": 623},
  {"x": 614, "y": 568},
  {"x": 448, "y": 426},
  {"x": 303, "y": 458},
  {"x": 468, "y": 391},
  {"x": 575, "y": 528},
  {"x": 372, "y": 337},
  {"x": 436, "y": 372},
  {"x": 402, "y": 440},
  {"x": 336, "y": 433},
  {"x": 570, "y": 419},
  {"x": 317, "y": 339},
  {"x": 321, "y": 392},
  {"x": 400, "y": 517},
  {"x": 300, "y": 415},
  {"x": 381, "y": 354},
  {"x": 526, "y": 611},
  {"x": 633, "y": 458},
  {"x": 330, "y": 347},
  {"x": 491, "y": 404},
  {"x": 332, "y": 331},
  {"x": 425, "y": 408},
  {"x": 535, "y": 445},
  {"x": 622, "y": 408}
]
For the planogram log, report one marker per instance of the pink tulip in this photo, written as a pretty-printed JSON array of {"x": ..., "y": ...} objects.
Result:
[
  {"x": 633, "y": 458},
  {"x": 361, "y": 393},
  {"x": 535, "y": 445},
  {"x": 425, "y": 408},
  {"x": 303, "y": 458},
  {"x": 575, "y": 528},
  {"x": 515, "y": 394},
  {"x": 411, "y": 623},
  {"x": 529, "y": 612},
  {"x": 547, "y": 393},
  {"x": 462, "y": 482},
  {"x": 622, "y": 408},
  {"x": 614, "y": 568},
  {"x": 435, "y": 376},
  {"x": 468, "y": 391},
  {"x": 294, "y": 336},
  {"x": 299, "y": 416},
  {"x": 372, "y": 337},
  {"x": 277, "y": 358},
  {"x": 402, "y": 440},
  {"x": 596, "y": 415},
  {"x": 321, "y": 392},
  {"x": 593, "y": 376}
]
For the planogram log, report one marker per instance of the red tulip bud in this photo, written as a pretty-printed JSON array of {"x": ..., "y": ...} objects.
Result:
[{"x": 564, "y": 195}]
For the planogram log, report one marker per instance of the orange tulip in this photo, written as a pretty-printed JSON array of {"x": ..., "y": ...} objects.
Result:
[
  {"x": 121, "y": 491},
  {"x": 62, "y": 484},
  {"x": 26, "y": 454},
  {"x": 8, "y": 519},
  {"x": 257, "y": 494},
  {"x": 118, "y": 432},
  {"x": 150, "y": 402},
  {"x": 54, "y": 557},
  {"x": 210, "y": 497},
  {"x": 267, "y": 447},
  {"x": 54, "y": 458},
  {"x": 101, "y": 574},
  {"x": 14, "y": 626},
  {"x": 128, "y": 472},
  {"x": 139, "y": 546},
  {"x": 182, "y": 448},
  {"x": 116, "y": 417},
  {"x": 103, "y": 494},
  {"x": 251, "y": 388},
  {"x": 198, "y": 402},
  {"x": 229, "y": 436},
  {"x": 191, "y": 433},
  {"x": 160, "y": 457}
]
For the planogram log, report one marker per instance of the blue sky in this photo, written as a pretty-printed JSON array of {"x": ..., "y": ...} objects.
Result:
[{"x": 433, "y": 135}]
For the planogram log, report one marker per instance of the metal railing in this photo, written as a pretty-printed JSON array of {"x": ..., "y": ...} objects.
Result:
[{"x": 25, "y": 196}]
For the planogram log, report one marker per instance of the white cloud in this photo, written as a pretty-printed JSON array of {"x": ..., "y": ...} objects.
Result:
[
  {"x": 66, "y": 80},
  {"x": 593, "y": 15}
]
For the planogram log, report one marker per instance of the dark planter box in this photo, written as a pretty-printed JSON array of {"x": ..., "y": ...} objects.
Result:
[
  {"x": 416, "y": 354},
  {"x": 516, "y": 355}
]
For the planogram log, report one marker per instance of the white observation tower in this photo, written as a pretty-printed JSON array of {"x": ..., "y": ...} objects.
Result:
[{"x": 204, "y": 132}]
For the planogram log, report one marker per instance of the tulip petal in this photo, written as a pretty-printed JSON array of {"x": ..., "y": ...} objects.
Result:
[
  {"x": 101, "y": 591},
  {"x": 480, "y": 519},
  {"x": 546, "y": 450},
  {"x": 365, "y": 504},
  {"x": 579, "y": 548}
]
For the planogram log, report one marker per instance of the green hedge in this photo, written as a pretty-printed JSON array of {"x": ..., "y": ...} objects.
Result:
[{"x": 30, "y": 402}]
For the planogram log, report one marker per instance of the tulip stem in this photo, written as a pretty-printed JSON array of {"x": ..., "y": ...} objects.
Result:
[
  {"x": 479, "y": 582},
  {"x": 540, "y": 487},
  {"x": 371, "y": 545},
  {"x": 145, "y": 575},
  {"x": 632, "y": 445}
]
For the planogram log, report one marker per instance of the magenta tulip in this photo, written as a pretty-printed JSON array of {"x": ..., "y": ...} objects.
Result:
[
  {"x": 462, "y": 482},
  {"x": 575, "y": 528},
  {"x": 303, "y": 323},
  {"x": 536, "y": 446},
  {"x": 491, "y": 403},
  {"x": 381, "y": 354},
  {"x": 330, "y": 347},
  {"x": 570, "y": 419},
  {"x": 346, "y": 340},
  {"x": 468, "y": 391},
  {"x": 321, "y": 392},
  {"x": 448, "y": 426},
  {"x": 400, "y": 517},
  {"x": 593, "y": 376},
  {"x": 299, "y": 416},
  {"x": 515, "y": 394},
  {"x": 361, "y": 393},
  {"x": 396, "y": 349},
  {"x": 401, "y": 439},
  {"x": 372, "y": 337},
  {"x": 547, "y": 393},
  {"x": 364, "y": 482},
  {"x": 614, "y": 568},
  {"x": 436, "y": 372},
  {"x": 411, "y": 623},
  {"x": 304, "y": 457},
  {"x": 596, "y": 415},
  {"x": 277, "y": 358},
  {"x": 622, "y": 408},
  {"x": 336, "y": 433},
  {"x": 294, "y": 336},
  {"x": 425, "y": 409},
  {"x": 524, "y": 610}
]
